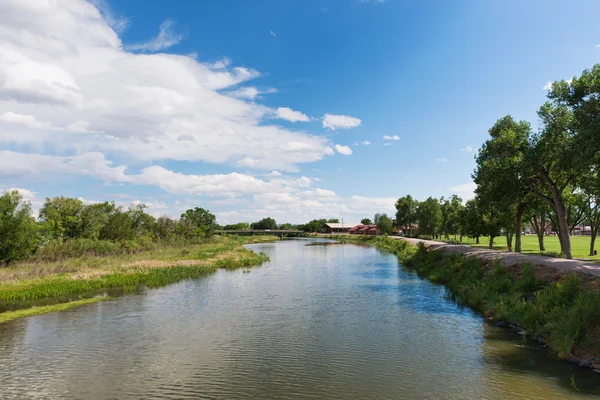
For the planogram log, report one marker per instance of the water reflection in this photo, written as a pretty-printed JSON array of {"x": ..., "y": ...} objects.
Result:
[{"x": 326, "y": 322}]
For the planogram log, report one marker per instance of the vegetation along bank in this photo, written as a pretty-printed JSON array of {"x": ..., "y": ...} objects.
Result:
[{"x": 558, "y": 309}]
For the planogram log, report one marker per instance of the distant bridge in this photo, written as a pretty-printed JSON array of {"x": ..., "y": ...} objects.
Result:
[{"x": 250, "y": 232}]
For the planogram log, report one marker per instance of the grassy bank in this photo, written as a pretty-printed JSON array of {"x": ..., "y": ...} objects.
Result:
[
  {"x": 561, "y": 310},
  {"x": 28, "y": 284}
]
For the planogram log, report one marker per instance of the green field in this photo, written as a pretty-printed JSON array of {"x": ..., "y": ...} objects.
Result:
[{"x": 580, "y": 245}]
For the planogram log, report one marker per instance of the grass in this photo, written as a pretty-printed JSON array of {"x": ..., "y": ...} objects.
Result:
[
  {"x": 563, "y": 309},
  {"x": 580, "y": 245},
  {"x": 30, "y": 284},
  {"x": 30, "y": 312}
]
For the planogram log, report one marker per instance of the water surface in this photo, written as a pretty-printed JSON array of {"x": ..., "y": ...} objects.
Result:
[{"x": 317, "y": 322}]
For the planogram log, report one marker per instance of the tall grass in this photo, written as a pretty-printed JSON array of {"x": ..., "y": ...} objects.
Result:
[{"x": 121, "y": 274}]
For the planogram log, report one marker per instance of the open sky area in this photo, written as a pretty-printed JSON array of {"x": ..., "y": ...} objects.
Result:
[{"x": 293, "y": 109}]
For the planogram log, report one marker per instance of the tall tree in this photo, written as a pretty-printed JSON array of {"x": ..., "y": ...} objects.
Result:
[
  {"x": 472, "y": 220},
  {"x": 366, "y": 221},
  {"x": 502, "y": 174},
  {"x": 552, "y": 158},
  {"x": 406, "y": 209}
]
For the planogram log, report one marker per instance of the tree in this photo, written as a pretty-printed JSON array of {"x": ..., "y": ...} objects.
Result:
[
  {"x": 316, "y": 225},
  {"x": 385, "y": 225},
  {"x": 333, "y": 220},
  {"x": 286, "y": 227},
  {"x": 552, "y": 158},
  {"x": 472, "y": 220},
  {"x": 18, "y": 230},
  {"x": 406, "y": 209},
  {"x": 366, "y": 221},
  {"x": 503, "y": 176},
  {"x": 450, "y": 215},
  {"x": 265, "y": 223},
  {"x": 591, "y": 185},
  {"x": 62, "y": 217},
  {"x": 118, "y": 227},
  {"x": 164, "y": 228},
  {"x": 143, "y": 223},
  {"x": 429, "y": 216},
  {"x": 199, "y": 222},
  {"x": 94, "y": 217}
]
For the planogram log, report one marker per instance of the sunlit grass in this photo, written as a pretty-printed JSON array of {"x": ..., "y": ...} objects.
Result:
[
  {"x": 580, "y": 245},
  {"x": 26, "y": 284}
]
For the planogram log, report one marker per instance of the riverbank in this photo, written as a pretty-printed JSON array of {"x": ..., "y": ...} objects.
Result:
[
  {"x": 554, "y": 303},
  {"x": 31, "y": 288}
]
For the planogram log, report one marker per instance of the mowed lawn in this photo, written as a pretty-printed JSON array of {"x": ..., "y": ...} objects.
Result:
[{"x": 580, "y": 245}]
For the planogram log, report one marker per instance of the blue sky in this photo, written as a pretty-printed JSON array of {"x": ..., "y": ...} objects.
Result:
[{"x": 188, "y": 103}]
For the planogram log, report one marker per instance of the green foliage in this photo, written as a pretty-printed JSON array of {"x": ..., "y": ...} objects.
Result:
[
  {"x": 240, "y": 226},
  {"x": 18, "y": 231},
  {"x": 265, "y": 223},
  {"x": 198, "y": 222},
  {"x": 385, "y": 225},
  {"x": 316, "y": 225},
  {"x": 429, "y": 217},
  {"x": 406, "y": 211},
  {"x": 366, "y": 221},
  {"x": 333, "y": 220},
  {"x": 62, "y": 217}
]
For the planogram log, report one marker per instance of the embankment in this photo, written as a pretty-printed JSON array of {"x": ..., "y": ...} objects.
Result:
[
  {"x": 555, "y": 302},
  {"x": 33, "y": 288}
]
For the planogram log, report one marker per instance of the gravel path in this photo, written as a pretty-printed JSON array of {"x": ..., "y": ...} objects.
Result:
[{"x": 560, "y": 264}]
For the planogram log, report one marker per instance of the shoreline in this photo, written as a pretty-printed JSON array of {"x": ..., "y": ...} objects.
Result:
[
  {"x": 87, "y": 283},
  {"x": 552, "y": 303}
]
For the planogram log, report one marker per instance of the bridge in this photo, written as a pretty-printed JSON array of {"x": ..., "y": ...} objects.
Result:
[{"x": 250, "y": 232}]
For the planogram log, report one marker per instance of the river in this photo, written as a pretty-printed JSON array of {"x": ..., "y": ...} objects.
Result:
[{"x": 319, "y": 321}]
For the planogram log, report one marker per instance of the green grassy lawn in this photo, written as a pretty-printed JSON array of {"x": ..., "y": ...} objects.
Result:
[{"x": 580, "y": 245}]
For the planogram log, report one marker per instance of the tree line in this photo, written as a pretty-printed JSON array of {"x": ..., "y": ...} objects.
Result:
[
  {"x": 64, "y": 219},
  {"x": 547, "y": 177}
]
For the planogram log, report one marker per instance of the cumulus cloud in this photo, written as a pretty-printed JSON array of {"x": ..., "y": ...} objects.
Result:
[
  {"x": 334, "y": 122},
  {"x": 441, "y": 160},
  {"x": 290, "y": 115},
  {"x": 366, "y": 143},
  {"x": 345, "y": 150},
  {"x": 393, "y": 137},
  {"x": 167, "y": 37},
  {"x": 468, "y": 149},
  {"x": 547, "y": 86},
  {"x": 274, "y": 173},
  {"x": 99, "y": 97}
]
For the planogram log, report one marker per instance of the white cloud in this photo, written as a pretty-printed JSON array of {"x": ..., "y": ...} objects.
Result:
[
  {"x": 249, "y": 92},
  {"x": 441, "y": 160},
  {"x": 393, "y": 137},
  {"x": 274, "y": 173},
  {"x": 345, "y": 150},
  {"x": 388, "y": 144},
  {"x": 166, "y": 38},
  {"x": 273, "y": 33},
  {"x": 468, "y": 149},
  {"x": 98, "y": 97},
  {"x": 547, "y": 86},
  {"x": 328, "y": 151},
  {"x": 333, "y": 122},
  {"x": 290, "y": 115},
  {"x": 366, "y": 143},
  {"x": 465, "y": 191},
  {"x": 598, "y": 46}
]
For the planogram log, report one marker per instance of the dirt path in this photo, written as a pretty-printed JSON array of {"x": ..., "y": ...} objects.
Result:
[{"x": 560, "y": 264}]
